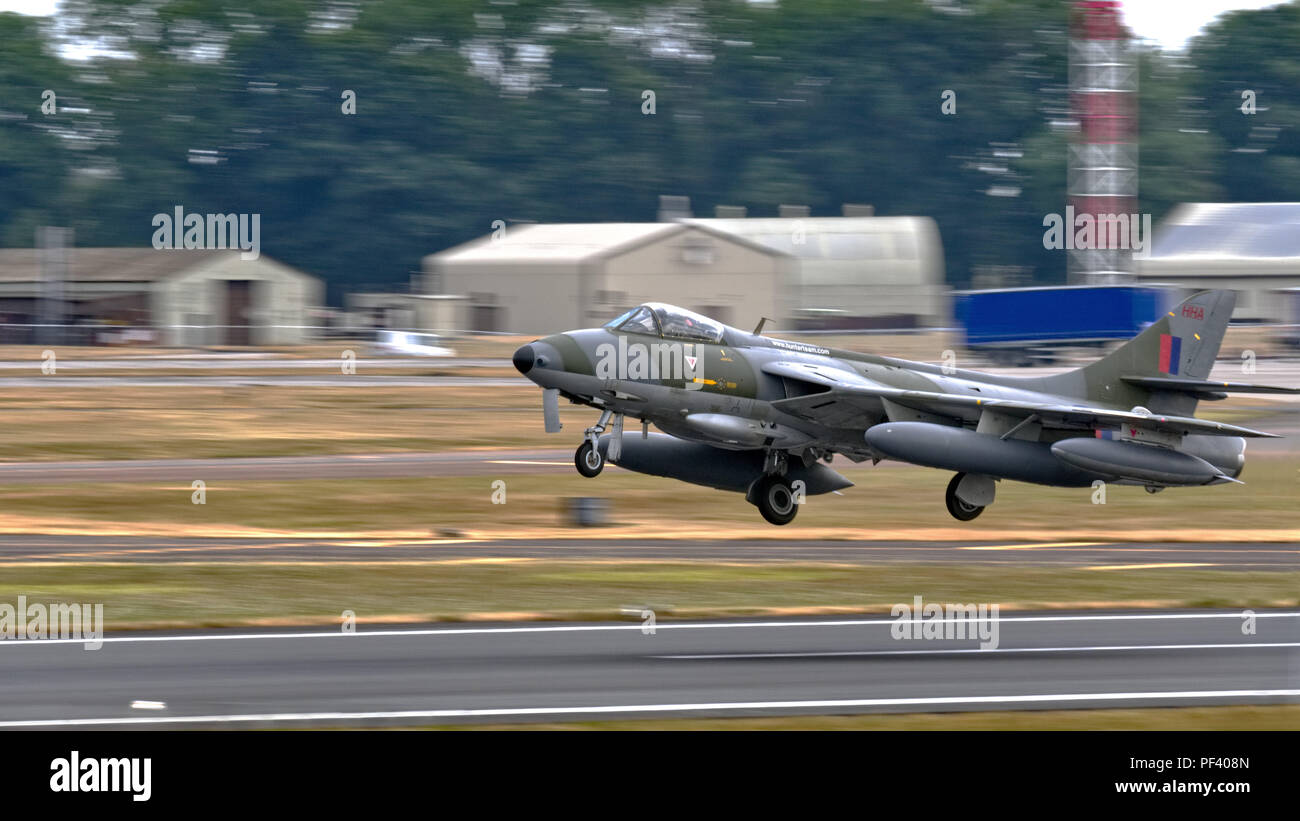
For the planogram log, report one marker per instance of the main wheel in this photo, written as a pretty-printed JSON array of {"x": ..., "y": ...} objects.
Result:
[
  {"x": 775, "y": 500},
  {"x": 588, "y": 460},
  {"x": 960, "y": 510}
]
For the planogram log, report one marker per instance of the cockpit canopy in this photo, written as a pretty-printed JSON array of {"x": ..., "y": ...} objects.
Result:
[{"x": 668, "y": 321}]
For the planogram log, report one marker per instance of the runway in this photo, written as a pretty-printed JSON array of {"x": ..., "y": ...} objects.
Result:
[
  {"x": 443, "y": 674},
  {"x": 1094, "y": 555}
]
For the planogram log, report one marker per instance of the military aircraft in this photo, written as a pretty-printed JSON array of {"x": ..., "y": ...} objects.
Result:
[{"x": 764, "y": 416}]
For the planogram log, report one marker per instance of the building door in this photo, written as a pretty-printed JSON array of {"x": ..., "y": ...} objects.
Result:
[
  {"x": 239, "y": 312},
  {"x": 486, "y": 317}
]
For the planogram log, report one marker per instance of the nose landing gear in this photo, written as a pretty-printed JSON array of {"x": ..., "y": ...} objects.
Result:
[{"x": 588, "y": 458}]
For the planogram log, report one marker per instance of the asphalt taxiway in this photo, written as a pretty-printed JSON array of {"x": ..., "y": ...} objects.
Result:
[{"x": 360, "y": 466}]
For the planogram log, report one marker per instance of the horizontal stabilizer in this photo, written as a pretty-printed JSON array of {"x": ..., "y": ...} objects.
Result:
[{"x": 1172, "y": 383}]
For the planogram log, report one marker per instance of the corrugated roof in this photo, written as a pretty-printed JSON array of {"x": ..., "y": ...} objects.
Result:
[
  {"x": 1230, "y": 230},
  {"x": 579, "y": 241},
  {"x": 832, "y": 238},
  {"x": 557, "y": 242},
  {"x": 106, "y": 264},
  {"x": 752, "y": 226}
]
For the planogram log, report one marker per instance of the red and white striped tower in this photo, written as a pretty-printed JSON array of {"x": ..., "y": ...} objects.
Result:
[{"x": 1103, "y": 175}]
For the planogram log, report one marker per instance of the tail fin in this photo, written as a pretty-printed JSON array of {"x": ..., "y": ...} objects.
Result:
[{"x": 1183, "y": 343}]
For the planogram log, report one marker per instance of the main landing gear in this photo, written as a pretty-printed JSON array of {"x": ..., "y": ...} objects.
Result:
[
  {"x": 775, "y": 499},
  {"x": 772, "y": 493},
  {"x": 968, "y": 495}
]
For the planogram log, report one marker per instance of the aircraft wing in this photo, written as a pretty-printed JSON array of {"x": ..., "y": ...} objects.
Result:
[
  {"x": 834, "y": 397},
  {"x": 849, "y": 399}
]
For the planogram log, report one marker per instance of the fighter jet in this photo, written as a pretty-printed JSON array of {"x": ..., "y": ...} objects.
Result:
[{"x": 763, "y": 416}]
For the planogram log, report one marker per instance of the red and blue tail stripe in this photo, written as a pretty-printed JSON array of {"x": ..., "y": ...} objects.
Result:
[{"x": 1171, "y": 349}]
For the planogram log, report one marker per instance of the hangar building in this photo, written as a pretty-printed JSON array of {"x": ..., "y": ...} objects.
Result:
[
  {"x": 188, "y": 297},
  {"x": 805, "y": 272},
  {"x": 1250, "y": 247},
  {"x": 854, "y": 271},
  {"x": 538, "y": 279}
]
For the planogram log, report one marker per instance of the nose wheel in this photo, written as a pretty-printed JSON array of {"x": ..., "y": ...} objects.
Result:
[{"x": 588, "y": 459}]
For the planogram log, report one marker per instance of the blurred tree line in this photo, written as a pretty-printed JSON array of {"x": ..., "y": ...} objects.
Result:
[{"x": 535, "y": 110}]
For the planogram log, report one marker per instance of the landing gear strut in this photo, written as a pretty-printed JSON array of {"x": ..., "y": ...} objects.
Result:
[
  {"x": 588, "y": 458},
  {"x": 775, "y": 499},
  {"x": 960, "y": 510},
  {"x": 775, "y": 463}
]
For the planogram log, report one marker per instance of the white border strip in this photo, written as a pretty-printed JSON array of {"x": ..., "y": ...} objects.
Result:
[
  {"x": 982, "y": 651},
  {"x": 594, "y": 628},
  {"x": 722, "y": 706}
]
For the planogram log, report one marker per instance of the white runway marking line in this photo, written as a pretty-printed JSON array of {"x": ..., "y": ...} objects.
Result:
[
  {"x": 1100, "y": 648},
  {"x": 597, "y": 628},
  {"x": 721, "y": 706}
]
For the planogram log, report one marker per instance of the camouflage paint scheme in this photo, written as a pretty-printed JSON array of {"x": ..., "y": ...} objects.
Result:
[{"x": 749, "y": 392}]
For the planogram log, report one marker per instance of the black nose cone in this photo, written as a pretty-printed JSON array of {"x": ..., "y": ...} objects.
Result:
[{"x": 524, "y": 359}]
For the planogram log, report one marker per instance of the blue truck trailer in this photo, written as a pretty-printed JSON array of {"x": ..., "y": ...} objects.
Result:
[{"x": 1026, "y": 326}]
